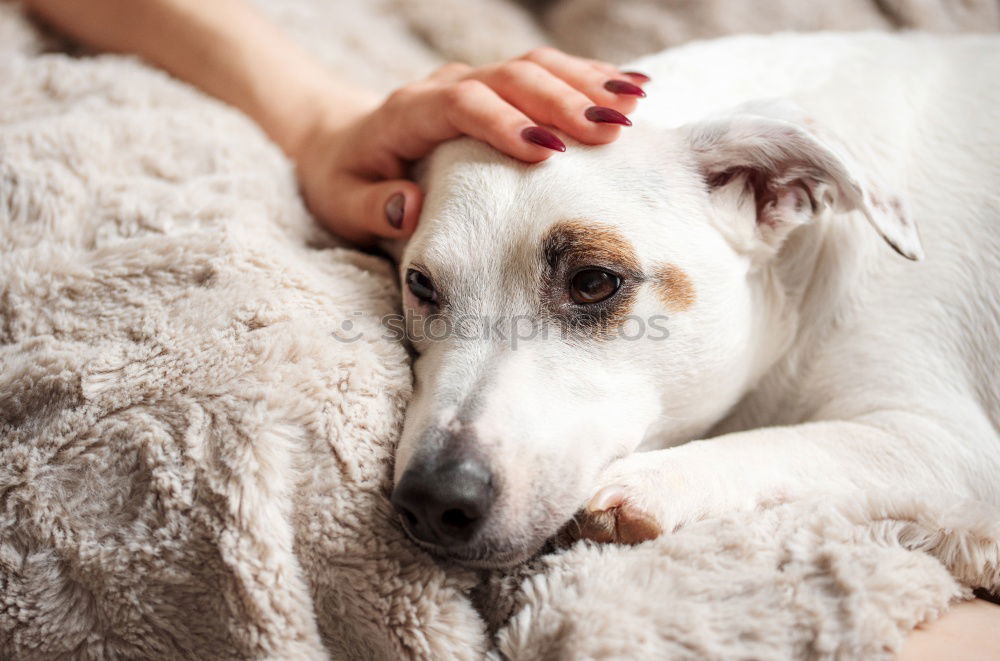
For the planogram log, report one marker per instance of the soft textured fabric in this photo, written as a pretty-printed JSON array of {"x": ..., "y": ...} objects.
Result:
[
  {"x": 195, "y": 454},
  {"x": 807, "y": 580},
  {"x": 625, "y": 29}
]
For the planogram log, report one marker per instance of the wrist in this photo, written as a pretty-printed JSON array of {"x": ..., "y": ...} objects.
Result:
[{"x": 322, "y": 117}]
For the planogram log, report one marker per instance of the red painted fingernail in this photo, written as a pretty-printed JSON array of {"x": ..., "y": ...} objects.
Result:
[
  {"x": 603, "y": 115},
  {"x": 637, "y": 77},
  {"x": 623, "y": 87},
  {"x": 539, "y": 136},
  {"x": 395, "y": 209}
]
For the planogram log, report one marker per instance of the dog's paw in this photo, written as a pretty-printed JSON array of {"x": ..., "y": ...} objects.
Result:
[
  {"x": 646, "y": 494},
  {"x": 611, "y": 518}
]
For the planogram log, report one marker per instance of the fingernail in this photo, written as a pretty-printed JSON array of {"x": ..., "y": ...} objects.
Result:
[
  {"x": 603, "y": 115},
  {"x": 623, "y": 87},
  {"x": 539, "y": 136},
  {"x": 606, "y": 498},
  {"x": 636, "y": 76},
  {"x": 395, "y": 209}
]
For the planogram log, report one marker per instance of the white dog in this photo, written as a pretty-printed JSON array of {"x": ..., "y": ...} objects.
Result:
[{"x": 744, "y": 266}]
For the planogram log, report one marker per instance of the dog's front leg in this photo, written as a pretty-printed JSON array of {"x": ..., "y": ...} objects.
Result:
[{"x": 647, "y": 493}]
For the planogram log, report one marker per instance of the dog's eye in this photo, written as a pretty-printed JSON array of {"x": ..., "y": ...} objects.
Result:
[
  {"x": 421, "y": 286},
  {"x": 593, "y": 286}
]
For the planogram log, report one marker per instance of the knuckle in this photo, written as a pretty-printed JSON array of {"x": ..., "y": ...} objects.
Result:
[
  {"x": 604, "y": 67},
  {"x": 515, "y": 70},
  {"x": 453, "y": 69},
  {"x": 497, "y": 124},
  {"x": 463, "y": 93},
  {"x": 572, "y": 114},
  {"x": 403, "y": 96},
  {"x": 540, "y": 54}
]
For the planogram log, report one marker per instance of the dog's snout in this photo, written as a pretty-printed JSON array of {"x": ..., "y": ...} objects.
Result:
[{"x": 445, "y": 501}]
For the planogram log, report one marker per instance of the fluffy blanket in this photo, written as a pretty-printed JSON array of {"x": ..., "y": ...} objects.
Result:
[{"x": 194, "y": 463}]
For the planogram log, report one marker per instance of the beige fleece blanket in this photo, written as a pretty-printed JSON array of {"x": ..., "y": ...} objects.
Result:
[{"x": 192, "y": 465}]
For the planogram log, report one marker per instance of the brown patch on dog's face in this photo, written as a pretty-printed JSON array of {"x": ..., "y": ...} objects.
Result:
[
  {"x": 674, "y": 288},
  {"x": 574, "y": 245},
  {"x": 586, "y": 243}
]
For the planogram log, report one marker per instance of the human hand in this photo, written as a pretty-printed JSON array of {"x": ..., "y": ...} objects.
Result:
[{"x": 352, "y": 172}]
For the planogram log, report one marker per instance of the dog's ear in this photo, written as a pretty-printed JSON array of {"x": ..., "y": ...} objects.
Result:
[{"x": 786, "y": 176}]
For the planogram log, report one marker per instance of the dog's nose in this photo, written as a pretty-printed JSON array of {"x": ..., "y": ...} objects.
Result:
[{"x": 446, "y": 501}]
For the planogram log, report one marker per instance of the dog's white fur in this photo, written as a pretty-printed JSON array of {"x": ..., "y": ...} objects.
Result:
[{"x": 814, "y": 356}]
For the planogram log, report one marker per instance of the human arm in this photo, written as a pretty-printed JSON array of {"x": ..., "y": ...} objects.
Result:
[{"x": 350, "y": 147}]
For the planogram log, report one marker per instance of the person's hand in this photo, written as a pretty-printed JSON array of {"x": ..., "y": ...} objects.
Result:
[{"x": 352, "y": 172}]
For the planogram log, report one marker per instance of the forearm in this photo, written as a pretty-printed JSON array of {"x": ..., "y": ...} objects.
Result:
[
  {"x": 882, "y": 451},
  {"x": 223, "y": 47}
]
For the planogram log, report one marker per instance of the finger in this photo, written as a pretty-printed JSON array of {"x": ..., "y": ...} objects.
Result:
[
  {"x": 471, "y": 108},
  {"x": 475, "y": 109},
  {"x": 365, "y": 210},
  {"x": 605, "y": 68},
  {"x": 451, "y": 72},
  {"x": 588, "y": 79},
  {"x": 396, "y": 206},
  {"x": 636, "y": 77},
  {"x": 550, "y": 100}
]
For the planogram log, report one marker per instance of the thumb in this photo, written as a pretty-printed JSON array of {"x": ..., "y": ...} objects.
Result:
[{"x": 386, "y": 209}]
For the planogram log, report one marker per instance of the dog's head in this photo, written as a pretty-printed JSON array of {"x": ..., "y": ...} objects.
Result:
[{"x": 564, "y": 312}]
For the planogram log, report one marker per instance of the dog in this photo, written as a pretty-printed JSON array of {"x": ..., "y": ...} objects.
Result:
[{"x": 730, "y": 306}]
